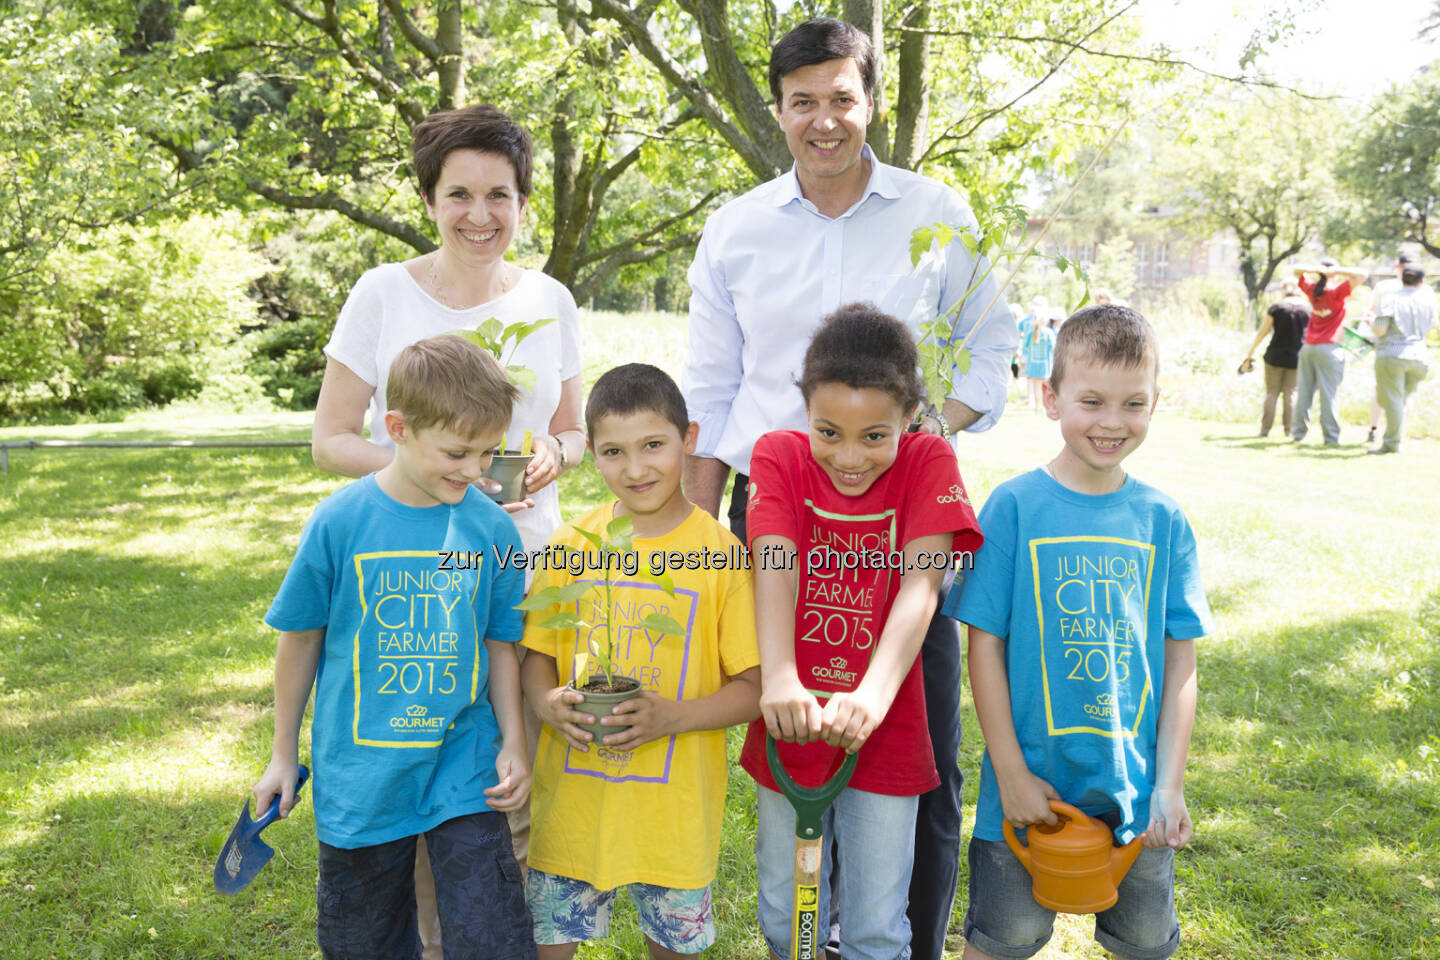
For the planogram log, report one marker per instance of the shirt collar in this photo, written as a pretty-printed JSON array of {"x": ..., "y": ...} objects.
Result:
[{"x": 881, "y": 182}]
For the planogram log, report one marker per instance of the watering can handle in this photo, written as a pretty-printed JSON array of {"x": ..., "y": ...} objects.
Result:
[
  {"x": 810, "y": 803},
  {"x": 1022, "y": 851}
]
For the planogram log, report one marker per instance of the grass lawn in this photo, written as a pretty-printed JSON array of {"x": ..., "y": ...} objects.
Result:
[{"x": 135, "y": 691}]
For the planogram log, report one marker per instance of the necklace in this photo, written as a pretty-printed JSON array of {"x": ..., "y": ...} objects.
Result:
[{"x": 432, "y": 274}]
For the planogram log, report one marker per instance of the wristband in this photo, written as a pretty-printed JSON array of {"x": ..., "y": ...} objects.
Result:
[
  {"x": 561, "y": 447},
  {"x": 939, "y": 418}
]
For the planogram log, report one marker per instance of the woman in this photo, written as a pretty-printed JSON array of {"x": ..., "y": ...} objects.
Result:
[
  {"x": 1285, "y": 324},
  {"x": 1321, "y": 363},
  {"x": 474, "y": 166}
]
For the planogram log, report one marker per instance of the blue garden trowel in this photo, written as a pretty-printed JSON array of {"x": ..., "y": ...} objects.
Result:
[{"x": 244, "y": 853}]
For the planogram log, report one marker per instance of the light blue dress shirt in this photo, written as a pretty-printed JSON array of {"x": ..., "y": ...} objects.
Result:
[{"x": 770, "y": 267}]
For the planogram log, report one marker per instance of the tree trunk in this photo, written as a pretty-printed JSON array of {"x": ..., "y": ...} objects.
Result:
[
  {"x": 912, "y": 112},
  {"x": 870, "y": 17},
  {"x": 450, "y": 67},
  {"x": 565, "y": 163}
]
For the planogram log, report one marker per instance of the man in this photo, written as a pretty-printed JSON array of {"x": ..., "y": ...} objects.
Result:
[
  {"x": 770, "y": 265},
  {"x": 1403, "y": 319},
  {"x": 1382, "y": 290}
]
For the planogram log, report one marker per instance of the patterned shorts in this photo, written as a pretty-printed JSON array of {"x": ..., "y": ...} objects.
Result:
[{"x": 569, "y": 911}]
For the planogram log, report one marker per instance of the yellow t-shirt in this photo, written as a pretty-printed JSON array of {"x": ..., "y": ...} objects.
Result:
[{"x": 650, "y": 815}]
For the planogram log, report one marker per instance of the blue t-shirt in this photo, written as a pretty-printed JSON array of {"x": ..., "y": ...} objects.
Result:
[
  {"x": 1084, "y": 590},
  {"x": 403, "y": 737}
]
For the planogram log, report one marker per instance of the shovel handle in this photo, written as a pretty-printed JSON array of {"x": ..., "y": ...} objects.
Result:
[
  {"x": 805, "y": 940},
  {"x": 810, "y": 803},
  {"x": 272, "y": 812}
]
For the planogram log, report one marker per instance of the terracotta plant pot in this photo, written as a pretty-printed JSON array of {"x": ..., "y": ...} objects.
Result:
[
  {"x": 507, "y": 468},
  {"x": 599, "y": 704}
]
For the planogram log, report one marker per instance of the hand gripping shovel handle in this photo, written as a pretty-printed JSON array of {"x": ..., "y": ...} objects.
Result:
[
  {"x": 810, "y": 804},
  {"x": 244, "y": 853}
]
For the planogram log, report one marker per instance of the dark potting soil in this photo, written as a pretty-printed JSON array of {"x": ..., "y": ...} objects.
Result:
[{"x": 598, "y": 685}]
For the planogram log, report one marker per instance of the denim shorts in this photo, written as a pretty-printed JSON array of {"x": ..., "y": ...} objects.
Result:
[
  {"x": 875, "y": 837},
  {"x": 1005, "y": 921},
  {"x": 366, "y": 896},
  {"x": 571, "y": 911}
]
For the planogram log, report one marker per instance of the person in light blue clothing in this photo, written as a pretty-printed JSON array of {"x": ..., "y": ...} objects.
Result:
[
  {"x": 399, "y": 609},
  {"x": 1083, "y": 606}
]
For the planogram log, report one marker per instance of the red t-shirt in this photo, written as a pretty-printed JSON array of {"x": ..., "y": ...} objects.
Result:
[
  {"x": 848, "y": 558},
  {"x": 1329, "y": 310}
]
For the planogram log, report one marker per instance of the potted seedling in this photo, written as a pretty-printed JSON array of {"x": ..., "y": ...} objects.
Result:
[
  {"x": 595, "y": 675},
  {"x": 942, "y": 353},
  {"x": 998, "y": 235},
  {"x": 507, "y": 468}
]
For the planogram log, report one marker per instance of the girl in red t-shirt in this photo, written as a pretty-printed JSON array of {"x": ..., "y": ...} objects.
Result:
[{"x": 853, "y": 527}]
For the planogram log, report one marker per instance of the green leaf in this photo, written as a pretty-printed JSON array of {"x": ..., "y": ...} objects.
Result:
[
  {"x": 962, "y": 361},
  {"x": 664, "y": 582},
  {"x": 660, "y": 623},
  {"x": 522, "y": 377},
  {"x": 620, "y": 525},
  {"x": 563, "y": 621},
  {"x": 1062, "y": 263},
  {"x": 592, "y": 538},
  {"x": 971, "y": 246},
  {"x": 920, "y": 242}
]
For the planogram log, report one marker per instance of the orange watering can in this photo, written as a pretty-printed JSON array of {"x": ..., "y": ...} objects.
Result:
[{"x": 1074, "y": 866}]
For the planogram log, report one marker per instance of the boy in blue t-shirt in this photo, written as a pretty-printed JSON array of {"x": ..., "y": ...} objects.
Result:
[
  {"x": 1082, "y": 608},
  {"x": 417, "y": 728}
]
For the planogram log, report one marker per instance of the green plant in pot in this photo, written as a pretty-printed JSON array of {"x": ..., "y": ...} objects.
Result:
[
  {"x": 943, "y": 354},
  {"x": 594, "y": 618},
  {"x": 507, "y": 468}
]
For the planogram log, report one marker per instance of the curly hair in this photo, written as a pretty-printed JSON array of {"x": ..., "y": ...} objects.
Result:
[{"x": 861, "y": 346}]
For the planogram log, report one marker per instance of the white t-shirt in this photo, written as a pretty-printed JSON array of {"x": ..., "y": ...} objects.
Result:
[{"x": 387, "y": 311}]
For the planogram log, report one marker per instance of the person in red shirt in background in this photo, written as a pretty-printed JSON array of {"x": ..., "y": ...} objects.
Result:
[{"x": 1322, "y": 361}]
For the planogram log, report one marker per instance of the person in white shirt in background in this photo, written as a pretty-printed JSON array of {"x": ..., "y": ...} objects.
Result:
[
  {"x": 1382, "y": 290},
  {"x": 773, "y": 262},
  {"x": 1401, "y": 323}
]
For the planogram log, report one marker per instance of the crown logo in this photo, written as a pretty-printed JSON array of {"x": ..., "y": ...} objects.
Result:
[
  {"x": 415, "y": 710},
  {"x": 837, "y": 662}
]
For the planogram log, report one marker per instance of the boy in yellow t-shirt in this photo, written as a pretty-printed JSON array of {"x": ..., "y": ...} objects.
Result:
[{"x": 642, "y": 808}]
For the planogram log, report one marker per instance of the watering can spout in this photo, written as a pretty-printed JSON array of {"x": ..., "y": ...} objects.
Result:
[{"x": 1123, "y": 858}]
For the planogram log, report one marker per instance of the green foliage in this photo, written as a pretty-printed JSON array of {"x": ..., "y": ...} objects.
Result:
[
  {"x": 1393, "y": 168},
  {"x": 615, "y": 552},
  {"x": 493, "y": 336},
  {"x": 133, "y": 315},
  {"x": 1257, "y": 165},
  {"x": 997, "y": 237}
]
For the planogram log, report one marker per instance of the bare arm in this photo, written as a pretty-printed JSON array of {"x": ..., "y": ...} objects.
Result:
[
  {"x": 1023, "y": 796},
  {"x": 564, "y": 428},
  {"x": 653, "y": 716},
  {"x": 552, "y": 701},
  {"x": 296, "y": 657},
  {"x": 850, "y": 718},
  {"x": 705, "y": 483},
  {"x": 1170, "y": 823},
  {"x": 335, "y": 441},
  {"x": 1266, "y": 326},
  {"x": 512, "y": 764},
  {"x": 790, "y": 711}
]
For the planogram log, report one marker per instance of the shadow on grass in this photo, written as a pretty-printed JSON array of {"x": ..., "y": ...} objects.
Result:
[
  {"x": 121, "y": 874},
  {"x": 1317, "y": 809}
]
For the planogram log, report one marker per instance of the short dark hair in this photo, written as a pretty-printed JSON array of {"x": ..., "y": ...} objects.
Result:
[
  {"x": 1405, "y": 258},
  {"x": 478, "y": 127},
  {"x": 819, "y": 40},
  {"x": 635, "y": 388},
  {"x": 1106, "y": 334},
  {"x": 449, "y": 382},
  {"x": 861, "y": 346},
  {"x": 1412, "y": 275}
]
